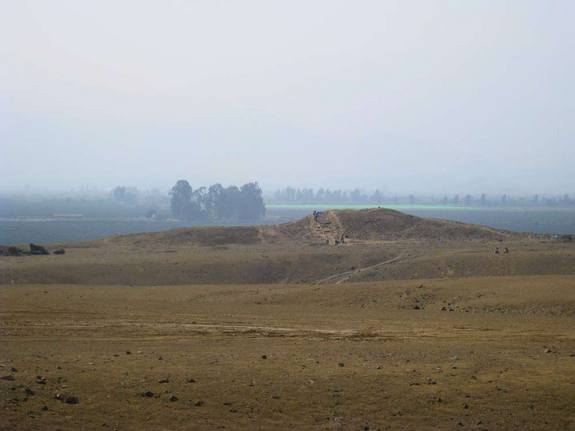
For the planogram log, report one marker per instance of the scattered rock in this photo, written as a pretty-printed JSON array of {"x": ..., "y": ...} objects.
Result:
[
  {"x": 29, "y": 391},
  {"x": 12, "y": 251},
  {"x": 40, "y": 380},
  {"x": 67, "y": 398},
  {"x": 164, "y": 380},
  {"x": 14, "y": 370},
  {"x": 59, "y": 251},
  {"x": 38, "y": 249},
  {"x": 128, "y": 352},
  {"x": 264, "y": 356},
  {"x": 341, "y": 364},
  {"x": 44, "y": 408},
  {"x": 9, "y": 378},
  {"x": 147, "y": 394},
  {"x": 191, "y": 380},
  {"x": 173, "y": 398},
  {"x": 71, "y": 399},
  {"x": 199, "y": 403}
]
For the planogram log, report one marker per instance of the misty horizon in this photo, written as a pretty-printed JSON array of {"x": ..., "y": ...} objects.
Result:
[{"x": 408, "y": 97}]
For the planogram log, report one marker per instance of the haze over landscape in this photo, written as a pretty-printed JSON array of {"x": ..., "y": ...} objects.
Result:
[
  {"x": 418, "y": 96},
  {"x": 260, "y": 215}
]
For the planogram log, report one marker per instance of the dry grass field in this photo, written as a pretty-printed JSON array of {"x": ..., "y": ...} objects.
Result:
[{"x": 406, "y": 326}]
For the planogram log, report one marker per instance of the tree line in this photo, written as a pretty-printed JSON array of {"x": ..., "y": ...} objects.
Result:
[
  {"x": 356, "y": 196},
  {"x": 217, "y": 203}
]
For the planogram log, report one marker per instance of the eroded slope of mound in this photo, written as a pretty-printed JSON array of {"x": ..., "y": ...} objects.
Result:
[
  {"x": 380, "y": 224},
  {"x": 386, "y": 224}
]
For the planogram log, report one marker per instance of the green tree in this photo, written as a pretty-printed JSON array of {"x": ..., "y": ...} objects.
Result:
[{"x": 181, "y": 200}]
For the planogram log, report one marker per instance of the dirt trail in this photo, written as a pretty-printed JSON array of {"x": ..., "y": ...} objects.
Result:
[
  {"x": 327, "y": 226},
  {"x": 347, "y": 275}
]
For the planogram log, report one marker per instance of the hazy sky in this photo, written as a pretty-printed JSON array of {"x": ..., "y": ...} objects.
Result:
[{"x": 408, "y": 96}]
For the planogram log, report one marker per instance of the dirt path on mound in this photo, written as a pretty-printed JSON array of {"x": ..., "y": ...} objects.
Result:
[{"x": 327, "y": 227}]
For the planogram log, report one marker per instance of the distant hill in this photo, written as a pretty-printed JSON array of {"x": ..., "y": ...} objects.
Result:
[
  {"x": 381, "y": 224},
  {"x": 376, "y": 224},
  {"x": 378, "y": 244}
]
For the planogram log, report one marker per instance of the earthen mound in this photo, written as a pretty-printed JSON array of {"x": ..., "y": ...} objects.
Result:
[{"x": 378, "y": 224}]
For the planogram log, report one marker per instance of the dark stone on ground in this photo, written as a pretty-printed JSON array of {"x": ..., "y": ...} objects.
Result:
[
  {"x": 38, "y": 249},
  {"x": 67, "y": 398}
]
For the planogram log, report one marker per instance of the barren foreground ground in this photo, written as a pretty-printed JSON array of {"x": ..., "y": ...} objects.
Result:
[
  {"x": 481, "y": 353},
  {"x": 350, "y": 320}
]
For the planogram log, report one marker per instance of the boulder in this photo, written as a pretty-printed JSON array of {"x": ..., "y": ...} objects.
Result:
[{"x": 37, "y": 249}]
